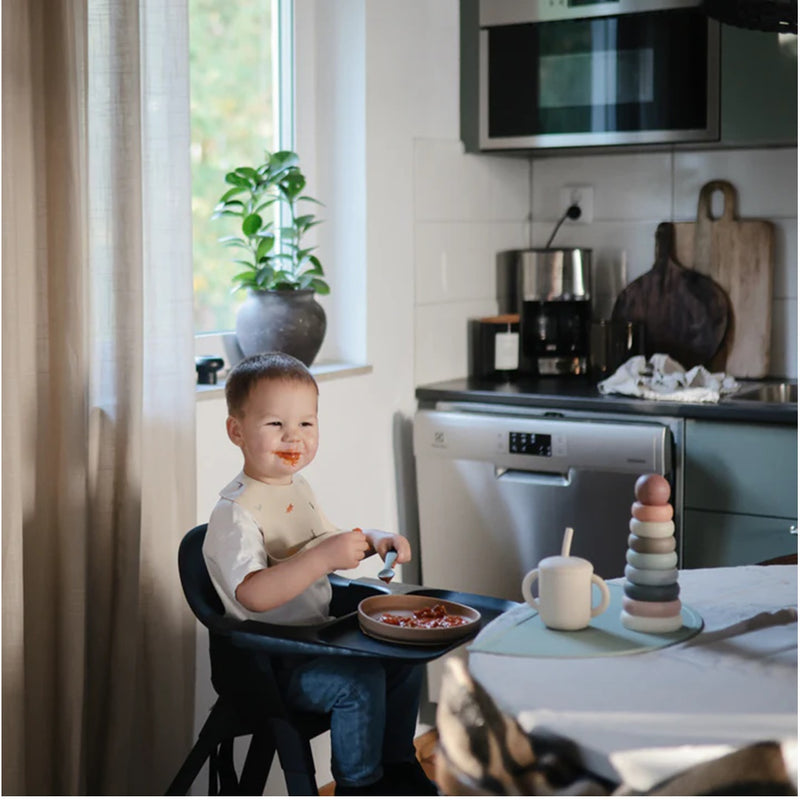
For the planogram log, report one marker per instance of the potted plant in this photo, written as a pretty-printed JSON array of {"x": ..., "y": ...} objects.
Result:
[{"x": 280, "y": 274}]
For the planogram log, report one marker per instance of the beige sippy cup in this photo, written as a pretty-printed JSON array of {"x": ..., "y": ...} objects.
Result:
[{"x": 565, "y": 590}]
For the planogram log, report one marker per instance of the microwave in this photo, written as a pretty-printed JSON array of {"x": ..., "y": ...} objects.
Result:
[{"x": 583, "y": 73}]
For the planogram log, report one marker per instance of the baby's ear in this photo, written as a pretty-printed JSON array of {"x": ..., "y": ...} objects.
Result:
[{"x": 234, "y": 430}]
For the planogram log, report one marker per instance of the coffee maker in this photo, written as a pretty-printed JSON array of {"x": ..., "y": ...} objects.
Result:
[{"x": 550, "y": 289}]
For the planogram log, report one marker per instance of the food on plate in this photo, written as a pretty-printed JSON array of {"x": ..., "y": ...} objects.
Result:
[
  {"x": 427, "y": 617},
  {"x": 652, "y": 490}
]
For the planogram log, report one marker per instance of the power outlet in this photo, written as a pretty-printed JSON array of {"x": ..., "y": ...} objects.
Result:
[{"x": 581, "y": 196}]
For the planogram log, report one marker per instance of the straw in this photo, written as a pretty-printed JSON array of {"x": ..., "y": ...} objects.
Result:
[{"x": 566, "y": 542}]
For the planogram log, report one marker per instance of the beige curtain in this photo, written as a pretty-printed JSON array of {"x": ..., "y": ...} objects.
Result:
[{"x": 97, "y": 396}]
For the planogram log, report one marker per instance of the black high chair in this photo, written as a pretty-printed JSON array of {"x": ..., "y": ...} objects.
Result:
[{"x": 249, "y": 698}]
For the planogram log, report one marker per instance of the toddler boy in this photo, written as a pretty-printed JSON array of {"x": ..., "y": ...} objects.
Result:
[{"x": 269, "y": 549}]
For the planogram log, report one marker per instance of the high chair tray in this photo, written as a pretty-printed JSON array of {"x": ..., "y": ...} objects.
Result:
[{"x": 343, "y": 636}]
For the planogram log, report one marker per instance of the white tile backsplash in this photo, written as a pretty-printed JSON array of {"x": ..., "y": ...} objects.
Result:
[
  {"x": 456, "y": 260},
  {"x": 451, "y": 262},
  {"x": 440, "y": 346},
  {"x": 626, "y": 187},
  {"x": 451, "y": 185},
  {"x": 765, "y": 180},
  {"x": 508, "y": 185},
  {"x": 468, "y": 207}
]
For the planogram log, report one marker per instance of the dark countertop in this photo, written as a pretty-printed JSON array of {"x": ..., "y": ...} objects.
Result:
[{"x": 581, "y": 394}]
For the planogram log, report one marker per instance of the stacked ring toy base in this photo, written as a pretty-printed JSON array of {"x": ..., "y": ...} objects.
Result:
[
  {"x": 651, "y": 624},
  {"x": 645, "y": 608}
]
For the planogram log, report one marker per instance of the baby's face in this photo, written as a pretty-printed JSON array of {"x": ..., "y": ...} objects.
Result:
[{"x": 278, "y": 432}]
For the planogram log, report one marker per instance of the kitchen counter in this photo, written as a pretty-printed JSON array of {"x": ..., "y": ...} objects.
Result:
[{"x": 581, "y": 394}]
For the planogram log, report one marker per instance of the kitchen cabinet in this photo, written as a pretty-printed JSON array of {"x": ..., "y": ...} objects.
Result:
[
  {"x": 758, "y": 91},
  {"x": 740, "y": 493},
  {"x": 758, "y": 104}
]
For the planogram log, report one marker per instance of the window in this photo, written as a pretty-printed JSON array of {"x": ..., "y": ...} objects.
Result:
[{"x": 240, "y": 70}]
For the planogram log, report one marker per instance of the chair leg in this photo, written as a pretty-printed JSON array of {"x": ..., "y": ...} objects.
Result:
[
  {"x": 182, "y": 782},
  {"x": 220, "y": 719},
  {"x": 257, "y": 764},
  {"x": 300, "y": 784},
  {"x": 213, "y": 773},
  {"x": 296, "y": 760},
  {"x": 228, "y": 782}
]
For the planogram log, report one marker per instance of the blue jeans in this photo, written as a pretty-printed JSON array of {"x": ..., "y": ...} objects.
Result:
[{"x": 373, "y": 707}]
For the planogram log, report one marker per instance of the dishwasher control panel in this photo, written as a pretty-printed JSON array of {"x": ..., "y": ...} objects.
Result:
[
  {"x": 534, "y": 444},
  {"x": 548, "y": 445}
]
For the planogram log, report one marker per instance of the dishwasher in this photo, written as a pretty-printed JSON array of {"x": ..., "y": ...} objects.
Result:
[{"x": 497, "y": 485}]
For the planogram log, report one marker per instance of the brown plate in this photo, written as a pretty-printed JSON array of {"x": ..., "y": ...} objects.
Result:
[{"x": 371, "y": 608}]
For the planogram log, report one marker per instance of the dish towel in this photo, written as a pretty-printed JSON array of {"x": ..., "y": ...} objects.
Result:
[{"x": 663, "y": 378}]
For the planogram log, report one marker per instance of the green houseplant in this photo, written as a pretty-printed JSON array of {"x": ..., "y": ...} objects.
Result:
[{"x": 280, "y": 274}]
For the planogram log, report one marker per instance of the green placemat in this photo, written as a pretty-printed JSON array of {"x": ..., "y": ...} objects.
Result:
[{"x": 521, "y": 632}]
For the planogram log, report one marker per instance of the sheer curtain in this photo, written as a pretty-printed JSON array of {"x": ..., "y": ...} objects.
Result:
[{"x": 97, "y": 396}]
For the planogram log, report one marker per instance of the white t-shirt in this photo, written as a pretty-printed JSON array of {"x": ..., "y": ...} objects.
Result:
[{"x": 256, "y": 525}]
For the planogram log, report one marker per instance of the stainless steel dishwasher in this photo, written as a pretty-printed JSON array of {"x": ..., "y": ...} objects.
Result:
[{"x": 498, "y": 484}]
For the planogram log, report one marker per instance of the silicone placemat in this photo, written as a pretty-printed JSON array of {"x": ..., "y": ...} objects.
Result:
[{"x": 521, "y": 632}]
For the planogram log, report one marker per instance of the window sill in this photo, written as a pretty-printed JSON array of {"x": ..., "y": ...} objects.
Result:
[{"x": 324, "y": 371}]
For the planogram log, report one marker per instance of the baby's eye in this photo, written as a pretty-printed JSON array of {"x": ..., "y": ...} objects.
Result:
[
  {"x": 274, "y": 422},
  {"x": 307, "y": 424}
]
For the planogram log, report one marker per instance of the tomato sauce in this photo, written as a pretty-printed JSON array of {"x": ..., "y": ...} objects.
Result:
[
  {"x": 428, "y": 617},
  {"x": 290, "y": 457}
]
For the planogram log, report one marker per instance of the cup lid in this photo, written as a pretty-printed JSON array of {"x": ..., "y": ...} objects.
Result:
[{"x": 565, "y": 562}]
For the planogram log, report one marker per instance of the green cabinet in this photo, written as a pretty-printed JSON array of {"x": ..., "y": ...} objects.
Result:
[
  {"x": 740, "y": 493},
  {"x": 758, "y": 87}
]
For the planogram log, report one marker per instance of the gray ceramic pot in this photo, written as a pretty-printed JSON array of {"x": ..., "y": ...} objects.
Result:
[{"x": 290, "y": 321}]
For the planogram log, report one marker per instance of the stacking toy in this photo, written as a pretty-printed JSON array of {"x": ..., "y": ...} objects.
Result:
[{"x": 651, "y": 603}]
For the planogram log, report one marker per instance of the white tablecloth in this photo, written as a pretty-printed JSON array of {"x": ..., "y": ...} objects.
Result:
[{"x": 640, "y": 718}]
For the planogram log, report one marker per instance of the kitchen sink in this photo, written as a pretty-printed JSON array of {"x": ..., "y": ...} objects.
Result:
[{"x": 768, "y": 393}]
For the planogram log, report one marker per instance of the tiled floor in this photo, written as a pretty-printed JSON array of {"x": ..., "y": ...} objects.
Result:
[{"x": 426, "y": 754}]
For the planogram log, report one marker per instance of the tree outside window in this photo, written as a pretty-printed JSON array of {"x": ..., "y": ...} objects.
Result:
[{"x": 233, "y": 66}]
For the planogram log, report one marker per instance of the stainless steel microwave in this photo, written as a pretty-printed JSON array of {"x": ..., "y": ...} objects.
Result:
[{"x": 584, "y": 73}]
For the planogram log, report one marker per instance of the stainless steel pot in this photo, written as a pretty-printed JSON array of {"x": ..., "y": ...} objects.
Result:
[{"x": 554, "y": 273}]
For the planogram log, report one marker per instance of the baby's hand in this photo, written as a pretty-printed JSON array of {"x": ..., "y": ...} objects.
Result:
[
  {"x": 382, "y": 542},
  {"x": 345, "y": 550}
]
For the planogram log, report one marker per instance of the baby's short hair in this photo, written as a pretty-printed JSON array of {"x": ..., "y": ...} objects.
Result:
[{"x": 274, "y": 366}]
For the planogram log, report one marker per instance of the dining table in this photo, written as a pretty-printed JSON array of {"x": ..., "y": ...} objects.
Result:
[{"x": 639, "y": 709}]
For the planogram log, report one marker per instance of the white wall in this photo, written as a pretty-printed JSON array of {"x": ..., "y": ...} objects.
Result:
[{"x": 426, "y": 222}]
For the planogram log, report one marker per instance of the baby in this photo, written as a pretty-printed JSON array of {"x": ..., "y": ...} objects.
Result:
[{"x": 269, "y": 549}]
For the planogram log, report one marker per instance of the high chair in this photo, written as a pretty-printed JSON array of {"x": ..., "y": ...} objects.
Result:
[{"x": 249, "y": 698}]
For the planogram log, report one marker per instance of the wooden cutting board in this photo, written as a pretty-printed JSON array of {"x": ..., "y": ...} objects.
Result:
[
  {"x": 685, "y": 313},
  {"x": 738, "y": 255}
]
